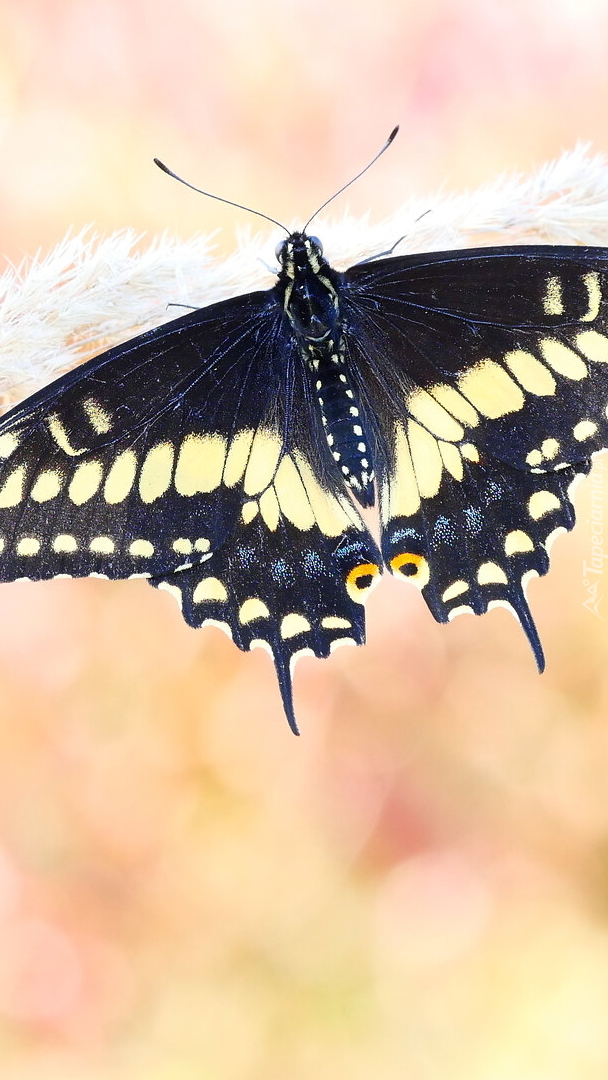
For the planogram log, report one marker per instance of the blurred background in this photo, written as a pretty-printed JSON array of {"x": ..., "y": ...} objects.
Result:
[{"x": 418, "y": 886}]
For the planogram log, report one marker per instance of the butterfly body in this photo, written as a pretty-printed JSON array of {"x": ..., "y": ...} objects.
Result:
[
  {"x": 220, "y": 455},
  {"x": 310, "y": 291}
]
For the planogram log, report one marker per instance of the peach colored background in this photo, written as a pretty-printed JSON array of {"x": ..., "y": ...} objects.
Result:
[{"x": 418, "y": 887}]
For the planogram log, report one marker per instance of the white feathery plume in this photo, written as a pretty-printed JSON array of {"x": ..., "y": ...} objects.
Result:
[{"x": 90, "y": 293}]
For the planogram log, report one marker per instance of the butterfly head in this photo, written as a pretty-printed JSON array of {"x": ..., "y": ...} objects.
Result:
[
  {"x": 307, "y": 290},
  {"x": 300, "y": 253}
]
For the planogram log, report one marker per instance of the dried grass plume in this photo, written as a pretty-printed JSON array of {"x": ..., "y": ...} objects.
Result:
[{"x": 90, "y": 292}]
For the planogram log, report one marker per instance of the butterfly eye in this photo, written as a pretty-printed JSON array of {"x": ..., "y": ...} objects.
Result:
[
  {"x": 316, "y": 243},
  {"x": 279, "y": 251},
  {"x": 360, "y": 580},
  {"x": 412, "y": 566}
]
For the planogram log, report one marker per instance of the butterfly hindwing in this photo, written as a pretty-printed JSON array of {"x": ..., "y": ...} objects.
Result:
[
  {"x": 476, "y": 543},
  {"x": 290, "y": 589}
]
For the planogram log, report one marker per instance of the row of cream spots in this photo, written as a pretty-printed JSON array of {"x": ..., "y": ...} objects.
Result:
[
  {"x": 489, "y": 390},
  {"x": 495, "y": 392},
  {"x": 66, "y": 544},
  {"x": 213, "y": 590},
  {"x": 203, "y": 462},
  {"x": 549, "y": 448},
  {"x": 490, "y": 573}
]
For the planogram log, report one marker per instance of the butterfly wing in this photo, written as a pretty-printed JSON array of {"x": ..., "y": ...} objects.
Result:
[
  {"x": 490, "y": 406},
  {"x": 187, "y": 456}
]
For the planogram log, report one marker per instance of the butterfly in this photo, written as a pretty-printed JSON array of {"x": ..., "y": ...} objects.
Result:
[{"x": 224, "y": 456}]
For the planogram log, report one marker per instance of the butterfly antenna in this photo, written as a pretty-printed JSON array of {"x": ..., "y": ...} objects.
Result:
[
  {"x": 229, "y": 202},
  {"x": 359, "y": 174}
]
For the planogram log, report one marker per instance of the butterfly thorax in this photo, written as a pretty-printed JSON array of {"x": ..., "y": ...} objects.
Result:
[{"x": 311, "y": 301}]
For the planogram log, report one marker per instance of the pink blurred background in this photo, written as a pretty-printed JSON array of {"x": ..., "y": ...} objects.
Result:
[{"x": 417, "y": 887}]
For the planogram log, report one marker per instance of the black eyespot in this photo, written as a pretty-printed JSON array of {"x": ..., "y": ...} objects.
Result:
[
  {"x": 316, "y": 243},
  {"x": 279, "y": 251}
]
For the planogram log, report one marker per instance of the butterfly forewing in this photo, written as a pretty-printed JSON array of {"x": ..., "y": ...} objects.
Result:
[
  {"x": 495, "y": 399},
  {"x": 136, "y": 461},
  {"x": 510, "y": 342}
]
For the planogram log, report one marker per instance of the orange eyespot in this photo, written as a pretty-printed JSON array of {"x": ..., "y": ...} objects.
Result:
[
  {"x": 413, "y": 567},
  {"x": 360, "y": 580}
]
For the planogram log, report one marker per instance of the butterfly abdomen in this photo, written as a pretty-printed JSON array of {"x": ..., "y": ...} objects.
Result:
[{"x": 343, "y": 422}]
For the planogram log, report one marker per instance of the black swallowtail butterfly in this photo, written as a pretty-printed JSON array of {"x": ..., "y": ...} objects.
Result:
[{"x": 222, "y": 454}]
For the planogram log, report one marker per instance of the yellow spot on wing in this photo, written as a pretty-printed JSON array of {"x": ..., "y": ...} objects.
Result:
[
  {"x": 11, "y": 492},
  {"x": 65, "y": 544},
  {"x": 119, "y": 480},
  {"x": 28, "y": 546},
  {"x": 488, "y": 387},
  {"x": 61, "y": 437},
  {"x": 141, "y": 548},
  {"x": 457, "y": 588},
  {"x": 426, "y": 459},
  {"x": 202, "y": 544},
  {"x": 428, "y": 412},
  {"x": 517, "y": 542},
  {"x": 292, "y": 496},
  {"x": 182, "y": 546},
  {"x": 47, "y": 486},
  {"x": 549, "y": 448},
  {"x": 360, "y": 580},
  {"x": 200, "y": 464},
  {"x": 563, "y": 359},
  {"x": 541, "y": 503},
  {"x": 593, "y": 345},
  {"x": 584, "y": 430},
  {"x": 252, "y": 609},
  {"x": 455, "y": 404},
  {"x": 332, "y": 514},
  {"x": 490, "y": 573},
  {"x": 237, "y": 457},
  {"x": 264, "y": 456},
  {"x": 269, "y": 508},
  {"x": 530, "y": 373},
  {"x": 534, "y": 459},
  {"x": 294, "y": 624},
  {"x": 249, "y": 511},
  {"x": 400, "y": 498},
  {"x": 452, "y": 460},
  {"x": 155, "y": 475},
  {"x": 8, "y": 444},
  {"x": 102, "y": 545},
  {"x": 335, "y": 622},
  {"x": 470, "y": 452},
  {"x": 85, "y": 481},
  {"x": 594, "y": 295},
  {"x": 210, "y": 588},
  {"x": 99, "y": 419},
  {"x": 553, "y": 303}
]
